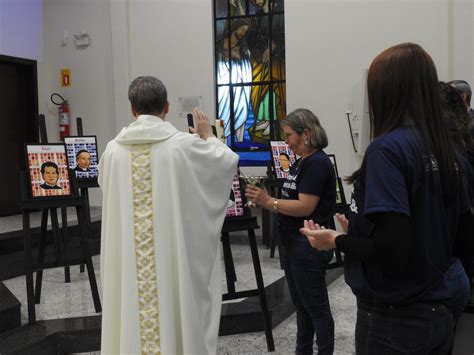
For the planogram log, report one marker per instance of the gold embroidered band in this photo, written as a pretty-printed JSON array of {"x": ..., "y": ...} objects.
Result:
[{"x": 145, "y": 249}]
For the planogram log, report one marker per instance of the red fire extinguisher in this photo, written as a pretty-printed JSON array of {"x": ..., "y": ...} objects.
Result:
[{"x": 64, "y": 117}]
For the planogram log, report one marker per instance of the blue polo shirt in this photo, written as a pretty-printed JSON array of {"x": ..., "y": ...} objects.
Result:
[{"x": 396, "y": 176}]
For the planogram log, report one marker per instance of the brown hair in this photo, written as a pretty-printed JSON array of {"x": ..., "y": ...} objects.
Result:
[{"x": 403, "y": 90}]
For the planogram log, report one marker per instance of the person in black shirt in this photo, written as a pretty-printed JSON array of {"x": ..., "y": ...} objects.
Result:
[
  {"x": 309, "y": 191},
  {"x": 408, "y": 212}
]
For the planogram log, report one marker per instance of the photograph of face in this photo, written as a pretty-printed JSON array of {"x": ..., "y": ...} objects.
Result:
[
  {"x": 48, "y": 170},
  {"x": 235, "y": 205},
  {"x": 50, "y": 175},
  {"x": 283, "y": 158},
  {"x": 83, "y": 160},
  {"x": 82, "y": 156},
  {"x": 285, "y": 162}
]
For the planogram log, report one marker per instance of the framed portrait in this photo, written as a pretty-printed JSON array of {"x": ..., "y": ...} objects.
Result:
[
  {"x": 48, "y": 172},
  {"x": 332, "y": 157},
  {"x": 83, "y": 157},
  {"x": 235, "y": 206},
  {"x": 283, "y": 158}
]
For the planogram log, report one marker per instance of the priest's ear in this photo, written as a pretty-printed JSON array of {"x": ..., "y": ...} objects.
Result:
[
  {"x": 166, "y": 107},
  {"x": 134, "y": 112}
]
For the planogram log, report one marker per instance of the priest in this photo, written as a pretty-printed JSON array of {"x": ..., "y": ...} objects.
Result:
[{"x": 165, "y": 194}]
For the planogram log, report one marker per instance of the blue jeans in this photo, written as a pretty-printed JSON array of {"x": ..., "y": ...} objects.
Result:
[
  {"x": 456, "y": 280},
  {"x": 305, "y": 271},
  {"x": 415, "y": 329}
]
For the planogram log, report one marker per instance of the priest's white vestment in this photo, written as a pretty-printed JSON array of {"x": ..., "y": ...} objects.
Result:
[{"x": 165, "y": 194}]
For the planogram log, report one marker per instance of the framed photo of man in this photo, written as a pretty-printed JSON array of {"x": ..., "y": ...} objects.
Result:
[
  {"x": 83, "y": 157},
  {"x": 48, "y": 170},
  {"x": 235, "y": 207},
  {"x": 283, "y": 158}
]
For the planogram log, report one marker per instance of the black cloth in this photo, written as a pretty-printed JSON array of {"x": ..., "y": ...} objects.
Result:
[
  {"x": 49, "y": 187},
  {"x": 78, "y": 168}
]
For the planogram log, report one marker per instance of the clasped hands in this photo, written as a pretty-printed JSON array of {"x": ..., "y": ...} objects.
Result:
[{"x": 321, "y": 238}]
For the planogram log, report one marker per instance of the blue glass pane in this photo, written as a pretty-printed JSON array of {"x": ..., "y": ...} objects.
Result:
[
  {"x": 223, "y": 107},
  {"x": 253, "y": 158}
]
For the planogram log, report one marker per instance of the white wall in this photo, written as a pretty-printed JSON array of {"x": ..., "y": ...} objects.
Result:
[
  {"x": 173, "y": 40},
  {"x": 91, "y": 95},
  {"x": 21, "y": 28},
  {"x": 328, "y": 44}
]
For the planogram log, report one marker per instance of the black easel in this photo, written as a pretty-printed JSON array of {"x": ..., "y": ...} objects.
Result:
[
  {"x": 249, "y": 224},
  {"x": 44, "y": 218},
  {"x": 84, "y": 187},
  {"x": 29, "y": 205}
]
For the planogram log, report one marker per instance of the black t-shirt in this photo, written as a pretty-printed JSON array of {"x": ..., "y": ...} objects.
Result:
[
  {"x": 397, "y": 177},
  {"x": 313, "y": 175}
]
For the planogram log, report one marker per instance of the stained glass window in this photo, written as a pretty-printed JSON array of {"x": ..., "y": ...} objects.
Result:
[{"x": 250, "y": 75}]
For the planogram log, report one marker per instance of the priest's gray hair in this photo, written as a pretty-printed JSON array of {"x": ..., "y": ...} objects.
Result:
[
  {"x": 147, "y": 95},
  {"x": 303, "y": 118}
]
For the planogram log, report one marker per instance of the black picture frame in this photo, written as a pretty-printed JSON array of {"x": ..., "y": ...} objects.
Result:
[
  {"x": 34, "y": 160},
  {"x": 276, "y": 149},
  {"x": 332, "y": 157},
  {"x": 83, "y": 178},
  {"x": 238, "y": 209},
  {"x": 340, "y": 195}
]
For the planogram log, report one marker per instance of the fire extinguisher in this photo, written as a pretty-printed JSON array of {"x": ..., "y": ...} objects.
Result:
[{"x": 64, "y": 117}]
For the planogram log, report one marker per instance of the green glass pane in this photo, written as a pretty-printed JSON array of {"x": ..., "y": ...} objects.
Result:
[
  {"x": 237, "y": 8},
  {"x": 261, "y": 102},
  {"x": 278, "y": 48},
  {"x": 279, "y": 97}
]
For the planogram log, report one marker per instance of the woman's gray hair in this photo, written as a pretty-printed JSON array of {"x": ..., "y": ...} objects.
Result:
[{"x": 303, "y": 118}]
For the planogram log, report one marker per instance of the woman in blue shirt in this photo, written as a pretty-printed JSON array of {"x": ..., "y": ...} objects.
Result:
[
  {"x": 309, "y": 191},
  {"x": 407, "y": 209}
]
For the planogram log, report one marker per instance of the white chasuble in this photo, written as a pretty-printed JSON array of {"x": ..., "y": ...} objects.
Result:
[{"x": 165, "y": 194}]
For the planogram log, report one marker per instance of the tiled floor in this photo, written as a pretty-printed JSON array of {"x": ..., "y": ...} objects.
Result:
[{"x": 60, "y": 300}]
